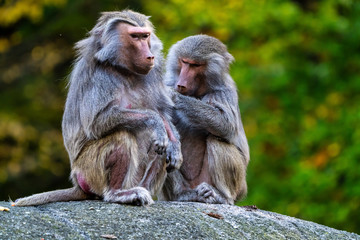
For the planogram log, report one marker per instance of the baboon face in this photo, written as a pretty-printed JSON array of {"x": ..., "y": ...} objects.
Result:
[
  {"x": 191, "y": 79},
  {"x": 136, "y": 48}
]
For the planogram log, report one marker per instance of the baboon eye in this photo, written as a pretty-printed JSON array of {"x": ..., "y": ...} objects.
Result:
[
  {"x": 191, "y": 64},
  {"x": 135, "y": 36},
  {"x": 145, "y": 36}
]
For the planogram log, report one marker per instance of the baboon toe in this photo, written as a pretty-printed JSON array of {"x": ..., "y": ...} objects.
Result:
[{"x": 137, "y": 196}]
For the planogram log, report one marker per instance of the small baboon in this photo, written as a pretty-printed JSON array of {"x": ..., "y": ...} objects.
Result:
[
  {"x": 116, "y": 125},
  {"x": 213, "y": 142}
]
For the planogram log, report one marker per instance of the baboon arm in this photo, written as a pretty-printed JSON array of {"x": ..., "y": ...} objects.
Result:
[
  {"x": 171, "y": 131},
  {"x": 215, "y": 117},
  {"x": 113, "y": 116},
  {"x": 173, "y": 151}
]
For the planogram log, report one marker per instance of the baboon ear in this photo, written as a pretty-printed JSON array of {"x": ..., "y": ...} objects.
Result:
[
  {"x": 109, "y": 42},
  {"x": 221, "y": 60},
  {"x": 108, "y": 52},
  {"x": 229, "y": 58}
]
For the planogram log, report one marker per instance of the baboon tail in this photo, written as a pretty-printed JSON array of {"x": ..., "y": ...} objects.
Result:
[{"x": 63, "y": 195}]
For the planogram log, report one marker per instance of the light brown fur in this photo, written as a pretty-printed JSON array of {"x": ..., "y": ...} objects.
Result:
[
  {"x": 228, "y": 175},
  {"x": 91, "y": 162}
]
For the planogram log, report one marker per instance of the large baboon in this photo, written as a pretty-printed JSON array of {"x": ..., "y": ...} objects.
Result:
[
  {"x": 116, "y": 125},
  {"x": 214, "y": 145}
]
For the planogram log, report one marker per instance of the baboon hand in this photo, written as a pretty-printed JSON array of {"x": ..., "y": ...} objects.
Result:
[
  {"x": 160, "y": 140},
  {"x": 174, "y": 157},
  {"x": 206, "y": 193}
]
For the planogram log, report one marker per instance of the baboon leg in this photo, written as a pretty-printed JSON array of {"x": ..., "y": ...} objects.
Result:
[
  {"x": 122, "y": 179},
  {"x": 227, "y": 168},
  {"x": 155, "y": 174},
  {"x": 222, "y": 178},
  {"x": 108, "y": 168}
]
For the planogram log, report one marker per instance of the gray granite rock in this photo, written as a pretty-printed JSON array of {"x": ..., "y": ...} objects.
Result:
[{"x": 163, "y": 220}]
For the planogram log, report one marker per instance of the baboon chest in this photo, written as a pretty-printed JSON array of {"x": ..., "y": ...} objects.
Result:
[
  {"x": 194, "y": 154},
  {"x": 130, "y": 99}
]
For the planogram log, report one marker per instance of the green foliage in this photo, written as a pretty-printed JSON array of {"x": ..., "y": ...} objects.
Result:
[{"x": 297, "y": 70}]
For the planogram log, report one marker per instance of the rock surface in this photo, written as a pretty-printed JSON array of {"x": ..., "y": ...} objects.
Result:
[{"x": 163, "y": 220}]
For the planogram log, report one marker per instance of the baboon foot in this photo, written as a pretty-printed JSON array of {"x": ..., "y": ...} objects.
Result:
[{"x": 138, "y": 196}]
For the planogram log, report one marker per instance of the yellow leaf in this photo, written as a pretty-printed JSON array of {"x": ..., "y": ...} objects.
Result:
[{"x": 4, "y": 209}]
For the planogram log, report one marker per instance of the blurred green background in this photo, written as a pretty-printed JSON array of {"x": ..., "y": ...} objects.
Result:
[{"x": 298, "y": 74}]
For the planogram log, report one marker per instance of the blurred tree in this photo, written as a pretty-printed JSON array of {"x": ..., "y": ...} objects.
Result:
[{"x": 297, "y": 69}]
